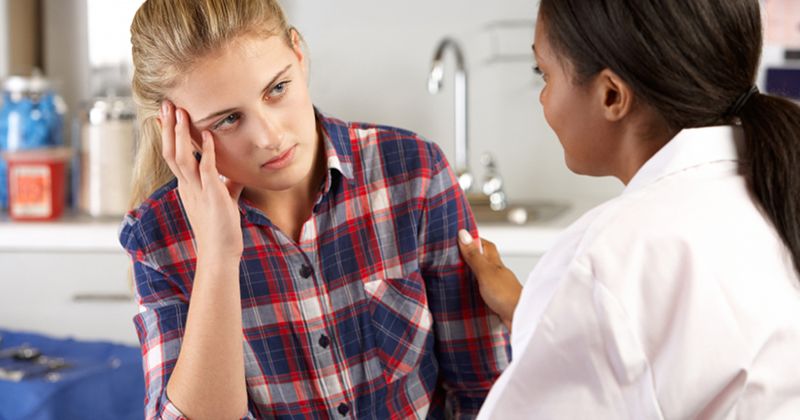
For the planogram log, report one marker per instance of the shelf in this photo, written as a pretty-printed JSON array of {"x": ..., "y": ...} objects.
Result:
[{"x": 71, "y": 233}]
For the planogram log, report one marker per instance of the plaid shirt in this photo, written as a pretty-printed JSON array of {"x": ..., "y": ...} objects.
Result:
[{"x": 372, "y": 314}]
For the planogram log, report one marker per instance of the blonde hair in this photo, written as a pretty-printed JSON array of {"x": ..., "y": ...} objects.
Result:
[{"x": 169, "y": 37}]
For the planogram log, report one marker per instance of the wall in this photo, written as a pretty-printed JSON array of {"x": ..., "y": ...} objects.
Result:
[
  {"x": 66, "y": 52},
  {"x": 370, "y": 61}
]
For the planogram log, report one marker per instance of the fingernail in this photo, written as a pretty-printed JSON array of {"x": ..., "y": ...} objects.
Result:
[
  {"x": 164, "y": 108},
  {"x": 465, "y": 237},
  {"x": 179, "y": 116}
]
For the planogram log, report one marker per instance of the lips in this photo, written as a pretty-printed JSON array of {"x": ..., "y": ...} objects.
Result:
[{"x": 282, "y": 160}]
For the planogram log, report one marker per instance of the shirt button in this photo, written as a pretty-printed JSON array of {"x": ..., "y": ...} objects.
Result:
[
  {"x": 306, "y": 271},
  {"x": 343, "y": 409},
  {"x": 324, "y": 341}
]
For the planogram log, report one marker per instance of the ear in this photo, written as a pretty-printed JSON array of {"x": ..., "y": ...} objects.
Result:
[
  {"x": 615, "y": 94},
  {"x": 297, "y": 48}
]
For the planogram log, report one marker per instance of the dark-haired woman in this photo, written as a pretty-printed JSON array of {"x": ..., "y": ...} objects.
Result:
[{"x": 678, "y": 299}]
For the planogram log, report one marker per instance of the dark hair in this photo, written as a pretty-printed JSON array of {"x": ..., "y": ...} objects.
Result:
[{"x": 691, "y": 60}]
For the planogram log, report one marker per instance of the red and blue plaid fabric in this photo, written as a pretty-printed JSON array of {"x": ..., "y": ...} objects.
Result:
[{"x": 372, "y": 314}]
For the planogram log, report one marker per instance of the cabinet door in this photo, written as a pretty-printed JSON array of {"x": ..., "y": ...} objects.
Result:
[{"x": 68, "y": 294}]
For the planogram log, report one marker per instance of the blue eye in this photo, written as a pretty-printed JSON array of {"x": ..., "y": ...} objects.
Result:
[
  {"x": 227, "y": 121},
  {"x": 279, "y": 89}
]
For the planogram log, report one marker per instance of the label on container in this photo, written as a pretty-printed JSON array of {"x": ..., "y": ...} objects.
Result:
[{"x": 30, "y": 190}]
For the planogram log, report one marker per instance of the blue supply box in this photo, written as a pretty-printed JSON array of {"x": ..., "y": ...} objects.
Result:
[{"x": 31, "y": 116}]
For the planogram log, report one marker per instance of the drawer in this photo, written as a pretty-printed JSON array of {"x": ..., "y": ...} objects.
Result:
[{"x": 68, "y": 294}]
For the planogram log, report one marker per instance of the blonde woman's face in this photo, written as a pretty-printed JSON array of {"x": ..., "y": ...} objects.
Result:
[{"x": 253, "y": 98}]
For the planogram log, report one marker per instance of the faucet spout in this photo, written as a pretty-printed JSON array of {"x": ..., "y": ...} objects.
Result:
[{"x": 465, "y": 178}]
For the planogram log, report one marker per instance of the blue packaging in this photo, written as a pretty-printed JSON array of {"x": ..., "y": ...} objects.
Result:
[{"x": 31, "y": 116}]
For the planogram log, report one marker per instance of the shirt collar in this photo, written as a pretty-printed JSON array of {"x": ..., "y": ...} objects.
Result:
[
  {"x": 336, "y": 141},
  {"x": 689, "y": 148}
]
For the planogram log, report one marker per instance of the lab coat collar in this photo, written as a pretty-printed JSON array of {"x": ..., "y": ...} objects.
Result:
[{"x": 689, "y": 148}]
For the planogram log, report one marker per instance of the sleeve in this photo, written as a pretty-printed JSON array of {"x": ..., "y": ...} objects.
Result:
[
  {"x": 159, "y": 325},
  {"x": 585, "y": 360},
  {"x": 471, "y": 343}
]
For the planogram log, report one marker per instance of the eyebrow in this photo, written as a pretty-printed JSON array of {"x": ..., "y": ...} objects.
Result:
[{"x": 263, "y": 92}]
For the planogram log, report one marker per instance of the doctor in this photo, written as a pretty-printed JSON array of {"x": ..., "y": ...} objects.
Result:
[{"x": 678, "y": 299}]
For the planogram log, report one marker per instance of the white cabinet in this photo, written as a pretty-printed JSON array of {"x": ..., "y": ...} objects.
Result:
[{"x": 66, "y": 279}]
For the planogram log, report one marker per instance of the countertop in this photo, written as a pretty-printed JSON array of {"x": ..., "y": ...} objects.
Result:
[{"x": 80, "y": 233}]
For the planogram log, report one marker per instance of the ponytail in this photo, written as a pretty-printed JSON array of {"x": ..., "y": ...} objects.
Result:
[{"x": 771, "y": 163}]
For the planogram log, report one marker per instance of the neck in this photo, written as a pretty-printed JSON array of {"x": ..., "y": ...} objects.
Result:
[
  {"x": 639, "y": 143},
  {"x": 289, "y": 209}
]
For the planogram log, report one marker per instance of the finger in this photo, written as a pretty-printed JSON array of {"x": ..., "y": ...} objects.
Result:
[
  {"x": 208, "y": 167},
  {"x": 183, "y": 148},
  {"x": 234, "y": 188},
  {"x": 490, "y": 250},
  {"x": 208, "y": 161},
  {"x": 471, "y": 252},
  {"x": 167, "y": 123}
]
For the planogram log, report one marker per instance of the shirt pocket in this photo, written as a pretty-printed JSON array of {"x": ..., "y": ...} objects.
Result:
[{"x": 401, "y": 324}]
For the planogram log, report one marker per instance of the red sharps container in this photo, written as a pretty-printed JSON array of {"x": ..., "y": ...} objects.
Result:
[{"x": 37, "y": 180}]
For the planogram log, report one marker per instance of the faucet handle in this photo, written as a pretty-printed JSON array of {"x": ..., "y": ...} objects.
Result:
[
  {"x": 487, "y": 160},
  {"x": 492, "y": 185},
  {"x": 492, "y": 181}
]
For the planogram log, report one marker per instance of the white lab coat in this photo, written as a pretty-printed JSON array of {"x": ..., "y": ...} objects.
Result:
[{"x": 675, "y": 300}]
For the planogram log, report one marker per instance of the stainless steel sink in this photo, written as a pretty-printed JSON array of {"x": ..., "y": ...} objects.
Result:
[{"x": 519, "y": 213}]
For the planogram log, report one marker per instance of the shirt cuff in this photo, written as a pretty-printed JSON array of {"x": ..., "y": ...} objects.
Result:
[{"x": 170, "y": 412}]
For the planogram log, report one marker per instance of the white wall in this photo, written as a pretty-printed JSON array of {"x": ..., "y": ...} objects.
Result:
[{"x": 370, "y": 61}]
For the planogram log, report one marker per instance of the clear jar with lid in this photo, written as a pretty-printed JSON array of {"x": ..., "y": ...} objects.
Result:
[{"x": 106, "y": 153}]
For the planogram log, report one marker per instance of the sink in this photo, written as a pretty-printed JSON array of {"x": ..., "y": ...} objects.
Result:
[{"x": 518, "y": 214}]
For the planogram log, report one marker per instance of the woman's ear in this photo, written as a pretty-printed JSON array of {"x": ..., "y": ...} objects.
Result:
[
  {"x": 615, "y": 94},
  {"x": 297, "y": 49}
]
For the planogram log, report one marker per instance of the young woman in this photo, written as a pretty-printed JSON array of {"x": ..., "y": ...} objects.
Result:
[
  {"x": 680, "y": 298},
  {"x": 289, "y": 264}
]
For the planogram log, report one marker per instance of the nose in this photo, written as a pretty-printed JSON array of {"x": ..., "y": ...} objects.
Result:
[{"x": 269, "y": 134}]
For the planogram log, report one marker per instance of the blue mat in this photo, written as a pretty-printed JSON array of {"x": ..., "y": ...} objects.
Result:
[{"x": 102, "y": 381}]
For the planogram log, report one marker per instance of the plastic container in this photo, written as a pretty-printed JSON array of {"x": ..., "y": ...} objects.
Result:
[
  {"x": 31, "y": 117},
  {"x": 37, "y": 180}
]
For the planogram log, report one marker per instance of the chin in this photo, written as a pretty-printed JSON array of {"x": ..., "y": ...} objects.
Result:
[
  {"x": 579, "y": 168},
  {"x": 281, "y": 181}
]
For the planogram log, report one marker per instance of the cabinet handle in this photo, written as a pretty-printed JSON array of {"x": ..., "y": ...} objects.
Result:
[{"x": 102, "y": 297}]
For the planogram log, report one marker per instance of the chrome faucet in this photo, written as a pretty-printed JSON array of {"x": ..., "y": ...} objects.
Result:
[{"x": 465, "y": 177}]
